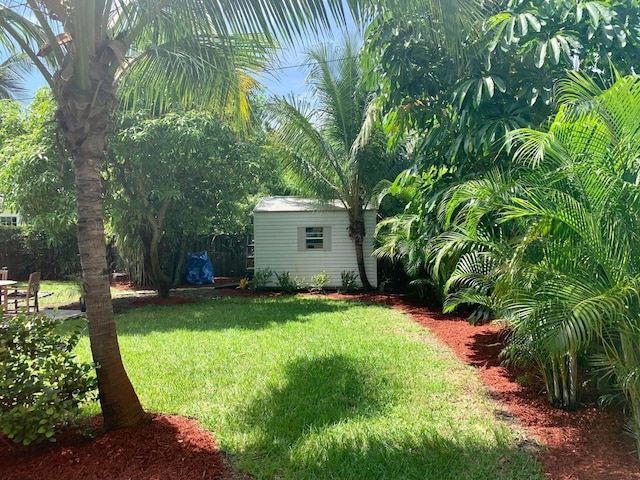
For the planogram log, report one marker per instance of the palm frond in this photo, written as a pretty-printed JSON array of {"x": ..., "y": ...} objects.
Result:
[{"x": 201, "y": 71}]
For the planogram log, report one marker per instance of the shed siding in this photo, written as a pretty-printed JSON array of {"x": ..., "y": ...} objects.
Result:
[{"x": 276, "y": 245}]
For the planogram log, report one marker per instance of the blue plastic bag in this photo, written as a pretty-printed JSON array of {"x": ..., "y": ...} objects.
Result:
[{"x": 198, "y": 269}]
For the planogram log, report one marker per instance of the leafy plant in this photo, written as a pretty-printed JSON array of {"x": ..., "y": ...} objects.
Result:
[
  {"x": 261, "y": 278},
  {"x": 243, "y": 284},
  {"x": 41, "y": 383},
  {"x": 287, "y": 283},
  {"x": 319, "y": 282},
  {"x": 349, "y": 281}
]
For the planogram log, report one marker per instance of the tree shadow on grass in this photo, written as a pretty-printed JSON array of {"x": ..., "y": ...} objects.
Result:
[
  {"x": 296, "y": 437},
  {"x": 317, "y": 392},
  {"x": 224, "y": 314}
]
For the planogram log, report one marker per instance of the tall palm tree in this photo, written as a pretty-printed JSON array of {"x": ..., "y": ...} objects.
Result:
[
  {"x": 336, "y": 148},
  {"x": 86, "y": 49}
]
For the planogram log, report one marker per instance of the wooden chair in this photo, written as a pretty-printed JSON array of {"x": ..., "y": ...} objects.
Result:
[
  {"x": 26, "y": 295},
  {"x": 4, "y": 273}
]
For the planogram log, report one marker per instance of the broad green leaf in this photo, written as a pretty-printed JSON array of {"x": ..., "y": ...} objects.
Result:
[
  {"x": 555, "y": 49},
  {"x": 621, "y": 34},
  {"x": 533, "y": 22},
  {"x": 511, "y": 30},
  {"x": 594, "y": 13},
  {"x": 477, "y": 99},
  {"x": 489, "y": 85},
  {"x": 500, "y": 85},
  {"x": 524, "y": 24},
  {"x": 541, "y": 53}
]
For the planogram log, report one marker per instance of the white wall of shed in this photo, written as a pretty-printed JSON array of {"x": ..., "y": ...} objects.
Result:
[{"x": 276, "y": 245}]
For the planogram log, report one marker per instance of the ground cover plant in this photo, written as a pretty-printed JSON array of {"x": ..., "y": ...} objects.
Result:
[
  {"x": 41, "y": 383},
  {"x": 295, "y": 387}
]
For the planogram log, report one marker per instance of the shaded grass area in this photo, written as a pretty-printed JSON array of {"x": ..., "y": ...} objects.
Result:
[{"x": 312, "y": 388}]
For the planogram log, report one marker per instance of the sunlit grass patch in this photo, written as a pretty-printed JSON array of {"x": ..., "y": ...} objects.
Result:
[{"x": 315, "y": 388}]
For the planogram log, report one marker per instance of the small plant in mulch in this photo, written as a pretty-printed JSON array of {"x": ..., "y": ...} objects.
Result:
[
  {"x": 288, "y": 284},
  {"x": 319, "y": 282},
  {"x": 349, "y": 281},
  {"x": 261, "y": 278}
]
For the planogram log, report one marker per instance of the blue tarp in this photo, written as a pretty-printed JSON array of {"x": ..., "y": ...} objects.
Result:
[{"x": 198, "y": 269}]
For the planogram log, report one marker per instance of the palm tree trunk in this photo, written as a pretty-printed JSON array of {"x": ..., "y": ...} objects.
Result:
[
  {"x": 85, "y": 119},
  {"x": 357, "y": 233}
]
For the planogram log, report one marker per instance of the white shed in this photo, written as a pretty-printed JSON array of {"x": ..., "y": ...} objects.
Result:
[{"x": 305, "y": 237}]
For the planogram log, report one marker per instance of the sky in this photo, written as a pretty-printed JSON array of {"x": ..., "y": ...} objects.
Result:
[{"x": 287, "y": 78}]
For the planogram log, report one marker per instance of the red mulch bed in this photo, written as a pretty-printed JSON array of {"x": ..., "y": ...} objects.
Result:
[{"x": 583, "y": 445}]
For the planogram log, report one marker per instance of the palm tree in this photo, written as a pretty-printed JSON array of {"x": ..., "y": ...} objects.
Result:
[
  {"x": 86, "y": 49},
  {"x": 336, "y": 149},
  {"x": 572, "y": 275}
]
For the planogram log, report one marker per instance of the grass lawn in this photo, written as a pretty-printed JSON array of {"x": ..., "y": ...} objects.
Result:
[
  {"x": 57, "y": 293},
  {"x": 60, "y": 293},
  {"x": 313, "y": 388}
]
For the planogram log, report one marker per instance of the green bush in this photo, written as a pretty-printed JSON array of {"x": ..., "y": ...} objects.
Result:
[
  {"x": 261, "y": 278},
  {"x": 287, "y": 284},
  {"x": 41, "y": 384},
  {"x": 349, "y": 281},
  {"x": 24, "y": 251},
  {"x": 319, "y": 282}
]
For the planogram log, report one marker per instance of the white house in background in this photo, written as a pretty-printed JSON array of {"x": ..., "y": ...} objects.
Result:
[
  {"x": 8, "y": 218},
  {"x": 305, "y": 237}
]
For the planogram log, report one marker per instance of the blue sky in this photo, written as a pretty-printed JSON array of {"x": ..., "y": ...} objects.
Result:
[{"x": 288, "y": 77}]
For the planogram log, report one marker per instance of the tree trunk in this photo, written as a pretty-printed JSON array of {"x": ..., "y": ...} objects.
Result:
[
  {"x": 85, "y": 119},
  {"x": 357, "y": 233},
  {"x": 160, "y": 280}
]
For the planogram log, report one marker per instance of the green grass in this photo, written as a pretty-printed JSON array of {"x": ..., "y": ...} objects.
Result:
[
  {"x": 311, "y": 388},
  {"x": 61, "y": 293}
]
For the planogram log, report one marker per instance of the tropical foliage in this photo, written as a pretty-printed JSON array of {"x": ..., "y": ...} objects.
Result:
[
  {"x": 550, "y": 246},
  {"x": 461, "y": 107},
  {"x": 36, "y": 175},
  {"x": 336, "y": 146},
  {"x": 174, "y": 178},
  {"x": 537, "y": 228},
  {"x": 12, "y": 73}
]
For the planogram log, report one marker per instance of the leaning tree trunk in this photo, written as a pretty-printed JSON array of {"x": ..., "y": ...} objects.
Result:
[
  {"x": 357, "y": 233},
  {"x": 85, "y": 119},
  {"x": 159, "y": 278}
]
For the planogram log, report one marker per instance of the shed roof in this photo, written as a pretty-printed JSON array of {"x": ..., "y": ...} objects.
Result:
[{"x": 298, "y": 204}]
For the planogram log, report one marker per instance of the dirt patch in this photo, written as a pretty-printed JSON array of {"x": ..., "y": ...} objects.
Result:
[{"x": 588, "y": 444}]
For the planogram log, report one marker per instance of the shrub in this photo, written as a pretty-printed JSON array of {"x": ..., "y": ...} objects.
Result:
[
  {"x": 261, "y": 278},
  {"x": 41, "y": 384},
  {"x": 319, "y": 282},
  {"x": 349, "y": 281},
  {"x": 287, "y": 284}
]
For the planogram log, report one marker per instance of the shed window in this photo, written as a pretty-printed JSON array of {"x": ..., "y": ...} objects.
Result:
[{"x": 314, "y": 238}]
